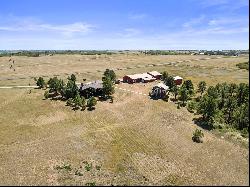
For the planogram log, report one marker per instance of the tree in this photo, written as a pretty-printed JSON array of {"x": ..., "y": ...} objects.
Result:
[
  {"x": 242, "y": 93},
  {"x": 230, "y": 106},
  {"x": 70, "y": 102},
  {"x": 91, "y": 103},
  {"x": 169, "y": 81},
  {"x": 183, "y": 95},
  {"x": 70, "y": 90},
  {"x": 46, "y": 94},
  {"x": 189, "y": 86},
  {"x": 78, "y": 101},
  {"x": 40, "y": 82},
  {"x": 164, "y": 76},
  {"x": 83, "y": 103},
  {"x": 108, "y": 87},
  {"x": 175, "y": 90},
  {"x": 197, "y": 136},
  {"x": 202, "y": 87},
  {"x": 241, "y": 117},
  {"x": 208, "y": 108},
  {"x": 72, "y": 78},
  {"x": 56, "y": 85},
  {"x": 111, "y": 74}
]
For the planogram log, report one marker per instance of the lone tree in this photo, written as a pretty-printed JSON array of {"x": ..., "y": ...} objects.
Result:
[
  {"x": 40, "y": 83},
  {"x": 91, "y": 103},
  {"x": 202, "y": 87}
]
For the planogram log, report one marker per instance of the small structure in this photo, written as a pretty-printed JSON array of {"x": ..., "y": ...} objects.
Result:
[
  {"x": 159, "y": 90},
  {"x": 143, "y": 77},
  {"x": 178, "y": 80},
  {"x": 155, "y": 74}
]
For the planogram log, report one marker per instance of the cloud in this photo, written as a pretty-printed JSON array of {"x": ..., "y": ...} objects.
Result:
[
  {"x": 194, "y": 21},
  {"x": 137, "y": 16},
  {"x": 129, "y": 32},
  {"x": 228, "y": 21},
  {"x": 17, "y": 25}
]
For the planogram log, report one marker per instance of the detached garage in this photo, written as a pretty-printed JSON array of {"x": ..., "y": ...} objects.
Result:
[{"x": 178, "y": 80}]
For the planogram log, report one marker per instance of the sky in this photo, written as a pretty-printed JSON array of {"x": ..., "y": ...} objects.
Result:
[{"x": 124, "y": 24}]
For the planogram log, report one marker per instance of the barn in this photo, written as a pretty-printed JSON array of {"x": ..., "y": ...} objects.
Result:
[
  {"x": 159, "y": 90},
  {"x": 155, "y": 74},
  {"x": 178, "y": 80},
  {"x": 143, "y": 77}
]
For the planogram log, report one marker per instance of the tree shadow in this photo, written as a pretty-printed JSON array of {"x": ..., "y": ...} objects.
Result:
[
  {"x": 173, "y": 99},
  {"x": 91, "y": 108},
  {"x": 155, "y": 98},
  {"x": 202, "y": 123},
  {"x": 101, "y": 98}
]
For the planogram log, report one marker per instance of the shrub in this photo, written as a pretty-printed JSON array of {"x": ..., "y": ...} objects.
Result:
[
  {"x": 40, "y": 82},
  {"x": 46, "y": 94},
  {"x": 88, "y": 166},
  {"x": 191, "y": 106},
  {"x": 197, "y": 136},
  {"x": 91, "y": 103},
  {"x": 165, "y": 98},
  {"x": 70, "y": 102},
  {"x": 90, "y": 184}
]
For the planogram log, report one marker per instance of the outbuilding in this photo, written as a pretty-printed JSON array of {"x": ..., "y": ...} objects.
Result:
[
  {"x": 178, "y": 80},
  {"x": 143, "y": 77},
  {"x": 155, "y": 74}
]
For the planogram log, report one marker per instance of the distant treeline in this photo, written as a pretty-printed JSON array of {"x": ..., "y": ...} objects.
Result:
[
  {"x": 37, "y": 53},
  {"x": 53, "y": 52},
  {"x": 194, "y": 52}
]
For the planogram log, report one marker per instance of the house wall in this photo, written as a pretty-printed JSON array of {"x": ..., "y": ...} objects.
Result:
[
  {"x": 178, "y": 81},
  {"x": 128, "y": 80}
]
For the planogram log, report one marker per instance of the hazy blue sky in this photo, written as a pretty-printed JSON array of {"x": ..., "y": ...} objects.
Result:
[{"x": 124, "y": 24}]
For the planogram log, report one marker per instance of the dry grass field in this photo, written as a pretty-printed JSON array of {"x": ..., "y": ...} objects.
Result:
[{"x": 133, "y": 141}]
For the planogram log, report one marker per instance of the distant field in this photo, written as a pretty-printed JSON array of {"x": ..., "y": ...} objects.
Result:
[{"x": 135, "y": 140}]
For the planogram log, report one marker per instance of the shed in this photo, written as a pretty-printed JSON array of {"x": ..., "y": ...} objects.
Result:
[{"x": 178, "y": 80}]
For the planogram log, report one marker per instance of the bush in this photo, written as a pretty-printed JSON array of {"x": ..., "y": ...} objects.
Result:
[
  {"x": 244, "y": 65},
  {"x": 46, "y": 94},
  {"x": 191, "y": 106},
  {"x": 197, "y": 136},
  {"x": 165, "y": 98},
  {"x": 70, "y": 102},
  {"x": 91, "y": 103},
  {"x": 40, "y": 82}
]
